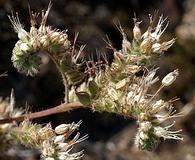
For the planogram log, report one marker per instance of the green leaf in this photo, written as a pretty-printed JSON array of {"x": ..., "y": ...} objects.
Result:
[
  {"x": 72, "y": 71},
  {"x": 84, "y": 98},
  {"x": 55, "y": 48},
  {"x": 93, "y": 88}
]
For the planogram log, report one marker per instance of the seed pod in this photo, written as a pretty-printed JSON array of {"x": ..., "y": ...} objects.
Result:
[
  {"x": 170, "y": 78},
  {"x": 61, "y": 129}
]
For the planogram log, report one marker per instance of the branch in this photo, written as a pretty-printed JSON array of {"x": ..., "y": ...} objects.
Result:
[{"x": 58, "y": 109}]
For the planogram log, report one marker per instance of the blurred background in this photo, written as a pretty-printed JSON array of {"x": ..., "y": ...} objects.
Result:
[{"x": 110, "y": 136}]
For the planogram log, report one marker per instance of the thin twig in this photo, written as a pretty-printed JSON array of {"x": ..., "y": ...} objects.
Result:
[
  {"x": 64, "y": 78},
  {"x": 58, "y": 109}
]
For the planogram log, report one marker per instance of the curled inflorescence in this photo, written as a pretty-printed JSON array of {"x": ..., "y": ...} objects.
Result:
[{"x": 25, "y": 55}]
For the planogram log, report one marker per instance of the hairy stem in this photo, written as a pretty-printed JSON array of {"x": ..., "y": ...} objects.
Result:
[
  {"x": 58, "y": 109},
  {"x": 64, "y": 78}
]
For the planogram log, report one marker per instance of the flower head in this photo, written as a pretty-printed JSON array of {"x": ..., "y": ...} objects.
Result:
[
  {"x": 165, "y": 133},
  {"x": 53, "y": 144},
  {"x": 40, "y": 38},
  {"x": 151, "y": 39}
]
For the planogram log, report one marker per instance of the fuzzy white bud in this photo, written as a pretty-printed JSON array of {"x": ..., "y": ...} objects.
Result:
[
  {"x": 61, "y": 129},
  {"x": 143, "y": 135},
  {"x": 24, "y": 47},
  {"x": 44, "y": 41},
  {"x": 170, "y": 78},
  {"x": 23, "y": 35},
  {"x": 59, "y": 139},
  {"x": 145, "y": 126},
  {"x": 63, "y": 146},
  {"x": 55, "y": 36}
]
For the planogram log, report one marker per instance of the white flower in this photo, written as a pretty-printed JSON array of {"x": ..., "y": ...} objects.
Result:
[
  {"x": 166, "y": 134},
  {"x": 22, "y": 34},
  {"x": 145, "y": 126},
  {"x": 159, "y": 29},
  {"x": 24, "y": 47}
]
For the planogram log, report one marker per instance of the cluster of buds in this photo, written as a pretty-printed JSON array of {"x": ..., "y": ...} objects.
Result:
[
  {"x": 52, "y": 143},
  {"x": 152, "y": 114},
  {"x": 119, "y": 89},
  {"x": 145, "y": 47},
  {"x": 150, "y": 40},
  {"x": 25, "y": 55}
]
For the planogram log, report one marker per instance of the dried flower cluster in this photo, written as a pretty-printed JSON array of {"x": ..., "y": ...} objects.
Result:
[
  {"x": 26, "y": 56},
  {"x": 8, "y": 110},
  {"x": 53, "y": 144},
  {"x": 121, "y": 88}
]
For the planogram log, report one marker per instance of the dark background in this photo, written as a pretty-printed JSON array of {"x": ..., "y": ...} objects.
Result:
[{"x": 110, "y": 136}]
